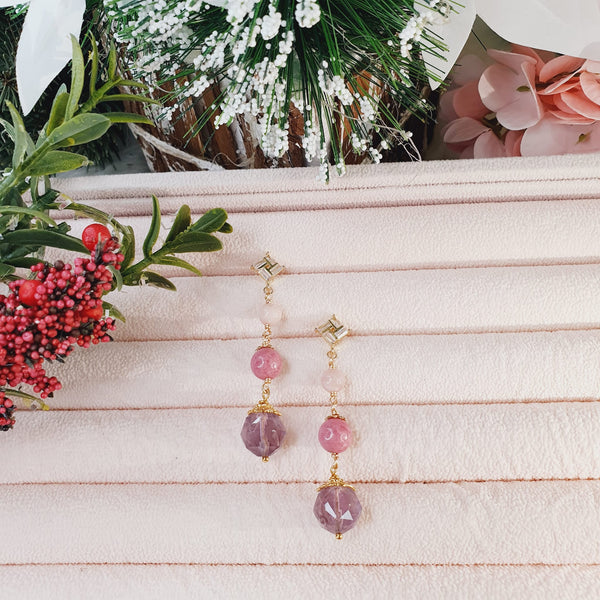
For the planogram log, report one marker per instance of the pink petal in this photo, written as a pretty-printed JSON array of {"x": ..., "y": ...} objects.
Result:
[
  {"x": 467, "y": 68},
  {"x": 579, "y": 103},
  {"x": 558, "y": 66},
  {"x": 570, "y": 118},
  {"x": 517, "y": 105},
  {"x": 592, "y": 66},
  {"x": 467, "y": 103},
  {"x": 548, "y": 101},
  {"x": 527, "y": 51},
  {"x": 549, "y": 137},
  {"x": 446, "y": 112},
  {"x": 562, "y": 85},
  {"x": 464, "y": 129},
  {"x": 512, "y": 143},
  {"x": 498, "y": 86},
  {"x": 488, "y": 145},
  {"x": 563, "y": 106},
  {"x": 468, "y": 152},
  {"x": 590, "y": 84},
  {"x": 510, "y": 59}
]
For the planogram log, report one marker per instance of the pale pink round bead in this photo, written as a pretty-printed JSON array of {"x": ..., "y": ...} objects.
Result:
[
  {"x": 266, "y": 363},
  {"x": 333, "y": 380},
  {"x": 335, "y": 435},
  {"x": 270, "y": 313}
]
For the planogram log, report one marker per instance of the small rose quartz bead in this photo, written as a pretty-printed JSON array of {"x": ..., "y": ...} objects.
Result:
[
  {"x": 270, "y": 314},
  {"x": 266, "y": 363},
  {"x": 335, "y": 435},
  {"x": 333, "y": 380}
]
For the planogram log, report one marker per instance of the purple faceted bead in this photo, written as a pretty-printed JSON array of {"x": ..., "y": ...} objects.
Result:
[
  {"x": 337, "y": 508},
  {"x": 263, "y": 433}
]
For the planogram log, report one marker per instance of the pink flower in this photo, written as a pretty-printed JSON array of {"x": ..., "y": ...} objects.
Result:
[
  {"x": 527, "y": 103},
  {"x": 473, "y": 139},
  {"x": 508, "y": 89},
  {"x": 552, "y": 136}
]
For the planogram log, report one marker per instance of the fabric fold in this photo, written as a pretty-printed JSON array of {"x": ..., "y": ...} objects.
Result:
[
  {"x": 391, "y": 444},
  {"x": 468, "y": 523}
]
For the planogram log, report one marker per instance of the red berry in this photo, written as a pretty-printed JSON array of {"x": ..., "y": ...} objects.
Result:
[
  {"x": 93, "y": 234},
  {"x": 27, "y": 292},
  {"x": 93, "y": 313}
]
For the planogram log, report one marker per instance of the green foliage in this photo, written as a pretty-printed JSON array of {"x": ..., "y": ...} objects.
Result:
[
  {"x": 184, "y": 236},
  {"x": 11, "y": 23},
  {"x": 26, "y": 228}
]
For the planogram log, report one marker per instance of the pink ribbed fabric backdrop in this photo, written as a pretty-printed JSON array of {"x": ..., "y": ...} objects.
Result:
[{"x": 472, "y": 292}]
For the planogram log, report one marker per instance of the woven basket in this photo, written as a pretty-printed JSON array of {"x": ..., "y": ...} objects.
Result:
[{"x": 236, "y": 146}]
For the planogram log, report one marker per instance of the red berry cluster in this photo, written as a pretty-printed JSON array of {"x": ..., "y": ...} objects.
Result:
[
  {"x": 44, "y": 317},
  {"x": 6, "y": 411}
]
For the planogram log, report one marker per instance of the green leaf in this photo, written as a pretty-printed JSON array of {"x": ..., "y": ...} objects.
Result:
[
  {"x": 227, "y": 228},
  {"x": 182, "y": 221},
  {"x": 118, "y": 277},
  {"x": 24, "y": 210},
  {"x": 57, "y": 161},
  {"x": 6, "y": 270},
  {"x": 191, "y": 241},
  {"x": 173, "y": 261},
  {"x": 22, "y": 140},
  {"x": 77, "y": 79},
  {"x": 154, "y": 230},
  {"x": 57, "y": 112},
  {"x": 113, "y": 311},
  {"x": 13, "y": 198},
  {"x": 123, "y": 117},
  {"x": 43, "y": 237},
  {"x": 29, "y": 400},
  {"x": 81, "y": 129},
  {"x": 149, "y": 278},
  {"x": 131, "y": 83},
  {"x": 24, "y": 262},
  {"x": 127, "y": 246},
  {"x": 94, "y": 66},
  {"x": 130, "y": 97},
  {"x": 211, "y": 221},
  {"x": 10, "y": 130},
  {"x": 156, "y": 280},
  {"x": 112, "y": 62}
]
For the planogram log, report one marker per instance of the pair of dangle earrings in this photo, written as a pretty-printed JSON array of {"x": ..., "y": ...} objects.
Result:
[{"x": 337, "y": 507}]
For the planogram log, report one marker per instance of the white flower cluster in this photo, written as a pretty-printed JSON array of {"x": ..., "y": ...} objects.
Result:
[
  {"x": 413, "y": 32},
  {"x": 308, "y": 13},
  {"x": 258, "y": 90}
]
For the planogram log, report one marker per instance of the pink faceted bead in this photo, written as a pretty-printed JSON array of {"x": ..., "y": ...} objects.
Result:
[
  {"x": 335, "y": 435},
  {"x": 266, "y": 363},
  {"x": 333, "y": 380}
]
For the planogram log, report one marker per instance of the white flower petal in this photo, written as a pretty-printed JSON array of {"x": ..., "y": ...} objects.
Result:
[
  {"x": 5, "y": 3},
  {"x": 566, "y": 27},
  {"x": 454, "y": 31},
  {"x": 45, "y": 46}
]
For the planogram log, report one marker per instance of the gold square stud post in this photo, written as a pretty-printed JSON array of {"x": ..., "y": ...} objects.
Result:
[
  {"x": 267, "y": 268},
  {"x": 332, "y": 331}
]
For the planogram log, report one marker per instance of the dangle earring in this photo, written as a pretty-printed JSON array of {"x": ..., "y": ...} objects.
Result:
[
  {"x": 337, "y": 507},
  {"x": 263, "y": 429}
]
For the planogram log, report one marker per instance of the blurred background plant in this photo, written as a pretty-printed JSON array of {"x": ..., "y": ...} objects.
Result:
[{"x": 100, "y": 152}]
